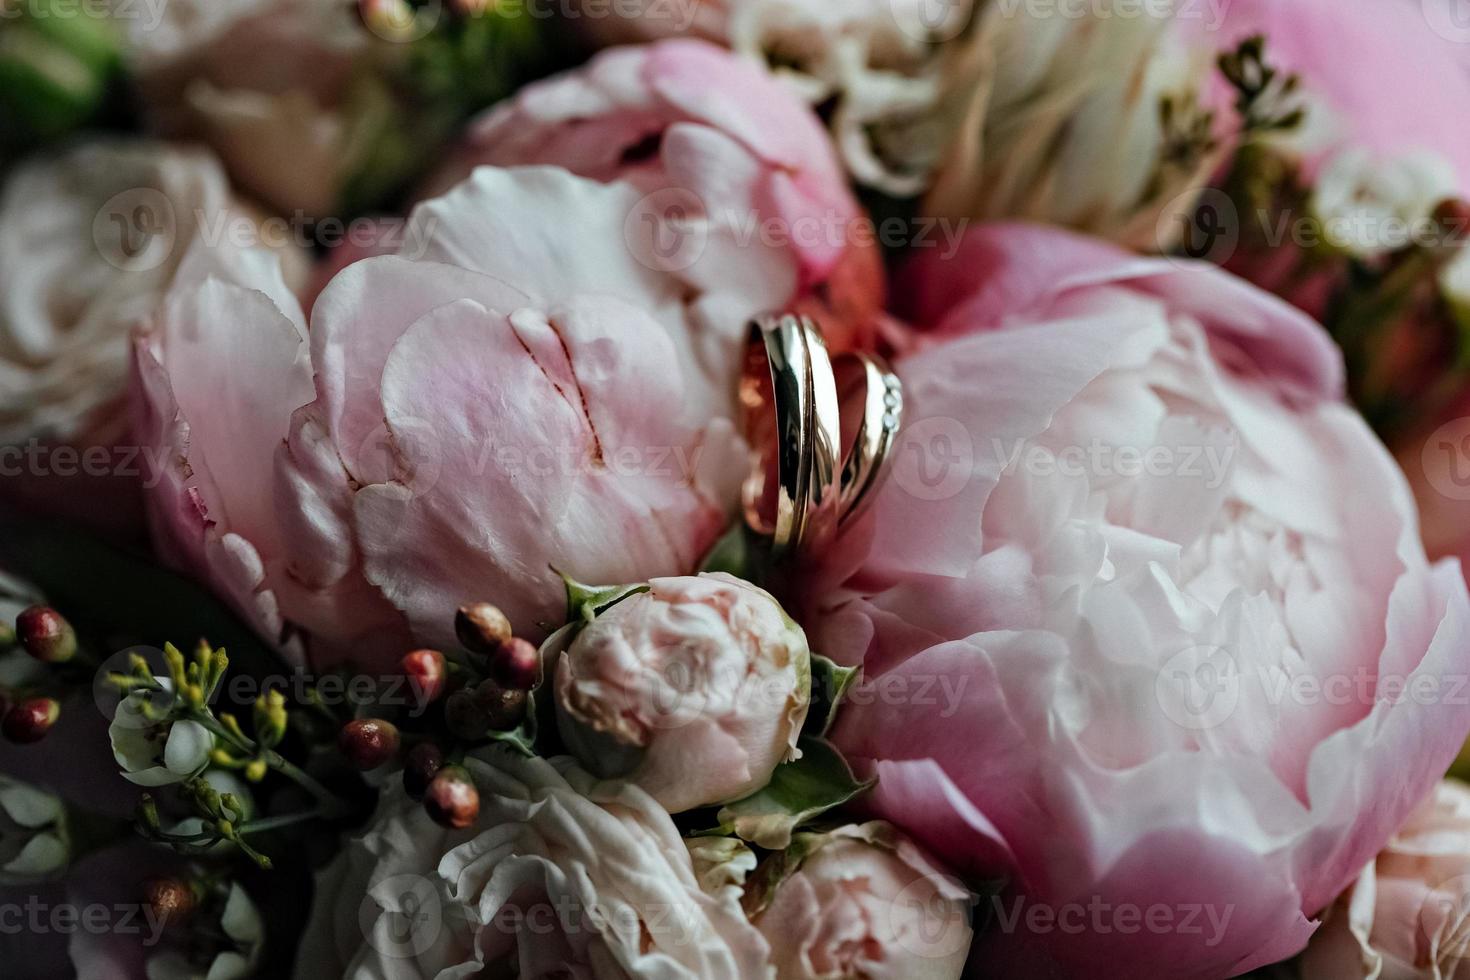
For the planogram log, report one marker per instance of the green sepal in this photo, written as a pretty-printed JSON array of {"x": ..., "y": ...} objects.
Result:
[
  {"x": 830, "y": 684},
  {"x": 585, "y": 602},
  {"x": 798, "y": 793}
]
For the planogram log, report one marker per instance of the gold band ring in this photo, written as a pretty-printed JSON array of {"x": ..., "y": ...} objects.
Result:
[{"x": 801, "y": 487}]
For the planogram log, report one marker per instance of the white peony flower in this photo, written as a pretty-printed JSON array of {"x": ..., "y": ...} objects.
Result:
[
  {"x": 157, "y": 753},
  {"x": 695, "y": 690},
  {"x": 34, "y": 842},
  {"x": 879, "y": 63},
  {"x": 562, "y": 875},
  {"x": 1061, "y": 119}
]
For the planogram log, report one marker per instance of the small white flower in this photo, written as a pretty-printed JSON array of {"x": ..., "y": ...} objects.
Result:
[
  {"x": 33, "y": 836},
  {"x": 157, "y": 753},
  {"x": 1369, "y": 206}
]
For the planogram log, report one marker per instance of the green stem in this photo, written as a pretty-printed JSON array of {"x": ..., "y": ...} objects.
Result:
[{"x": 331, "y": 804}]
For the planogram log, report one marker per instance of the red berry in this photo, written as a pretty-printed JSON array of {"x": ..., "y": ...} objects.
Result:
[
  {"x": 419, "y": 769},
  {"x": 46, "y": 635},
  {"x": 481, "y": 627},
  {"x": 516, "y": 665},
  {"x": 452, "y": 800},
  {"x": 30, "y": 720},
  {"x": 368, "y": 742},
  {"x": 427, "y": 673}
]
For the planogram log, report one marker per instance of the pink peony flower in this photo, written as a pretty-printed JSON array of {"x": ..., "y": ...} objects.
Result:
[
  {"x": 1405, "y": 917},
  {"x": 874, "y": 66},
  {"x": 726, "y": 153},
  {"x": 1143, "y": 614},
  {"x": 519, "y": 391}
]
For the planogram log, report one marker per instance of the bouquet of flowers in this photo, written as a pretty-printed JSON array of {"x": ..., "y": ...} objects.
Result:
[{"x": 750, "y": 489}]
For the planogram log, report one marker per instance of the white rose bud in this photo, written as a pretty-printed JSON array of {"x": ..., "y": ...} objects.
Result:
[
  {"x": 694, "y": 690},
  {"x": 864, "y": 903},
  {"x": 156, "y": 753},
  {"x": 33, "y": 836}
]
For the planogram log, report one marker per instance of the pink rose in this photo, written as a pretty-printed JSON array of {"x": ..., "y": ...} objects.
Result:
[
  {"x": 863, "y": 901},
  {"x": 1142, "y": 611},
  {"x": 1406, "y": 915},
  {"x": 517, "y": 392},
  {"x": 719, "y": 148},
  {"x": 694, "y": 690}
]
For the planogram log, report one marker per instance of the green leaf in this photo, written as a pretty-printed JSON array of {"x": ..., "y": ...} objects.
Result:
[
  {"x": 741, "y": 553},
  {"x": 117, "y": 599},
  {"x": 830, "y": 684},
  {"x": 523, "y": 737},
  {"x": 798, "y": 793}
]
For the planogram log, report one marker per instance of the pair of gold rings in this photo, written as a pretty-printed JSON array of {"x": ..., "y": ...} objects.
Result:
[{"x": 820, "y": 431}]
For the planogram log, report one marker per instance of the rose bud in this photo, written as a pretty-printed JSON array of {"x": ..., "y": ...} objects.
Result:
[
  {"x": 419, "y": 769},
  {"x": 171, "y": 900},
  {"x": 695, "y": 690},
  {"x": 867, "y": 902},
  {"x": 30, "y": 720},
  {"x": 368, "y": 742},
  {"x": 481, "y": 628},
  {"x": 452, "y": 800},
  {"x": 503, "y": 708},
  {"x": 517, "y": 664},
  {"x": 46, "y": 635},
  {"x": 427, "y": 673}
]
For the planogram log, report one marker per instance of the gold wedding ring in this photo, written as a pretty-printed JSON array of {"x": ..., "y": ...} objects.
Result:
[
  {"x": 866, "y": 376},
  {"x": 801, "y": 488},
  {"x": 788, "y": 401}
]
